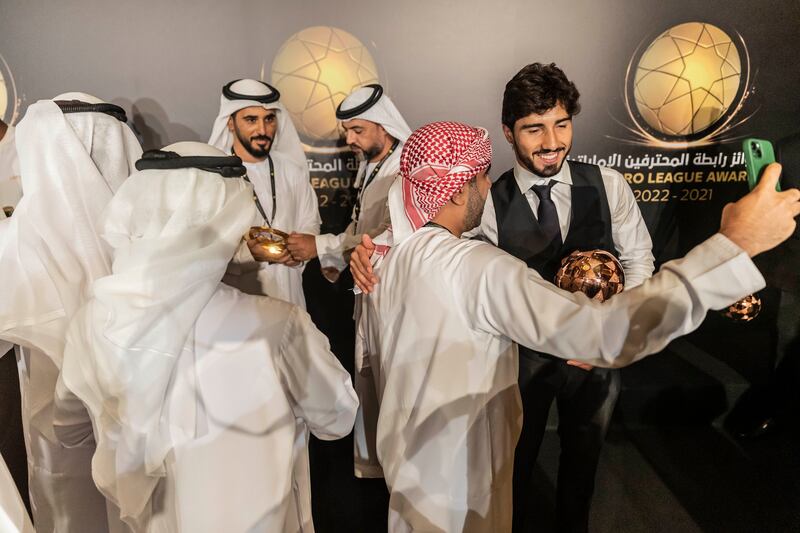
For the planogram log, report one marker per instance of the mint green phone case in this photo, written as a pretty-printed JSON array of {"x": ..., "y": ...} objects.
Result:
[{"x": 758, "y": 153}]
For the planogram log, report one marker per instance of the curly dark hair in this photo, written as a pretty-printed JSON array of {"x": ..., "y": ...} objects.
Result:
[{"x": 535, "y": 89}]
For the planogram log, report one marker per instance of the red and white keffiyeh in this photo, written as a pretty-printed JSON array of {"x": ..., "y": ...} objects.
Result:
[{"x": 437, "y": 161}]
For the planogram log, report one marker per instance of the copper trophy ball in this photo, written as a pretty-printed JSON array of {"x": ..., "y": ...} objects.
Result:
[
  {"x": 744, "y": 310},
  {"x": 596, "y": 273}
]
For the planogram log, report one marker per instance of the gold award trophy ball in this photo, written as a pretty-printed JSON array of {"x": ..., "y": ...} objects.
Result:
[
  {"x": 314, "y": 70},
  {"x": 273, "y": 241},
  {"x": 596, "y": 273},
  {"x": 687, "y": 79},
  {"x": 745, "y": 309}
]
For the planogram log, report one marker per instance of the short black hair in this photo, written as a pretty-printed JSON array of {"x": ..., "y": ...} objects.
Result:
[{"x": 535, "y": 89}]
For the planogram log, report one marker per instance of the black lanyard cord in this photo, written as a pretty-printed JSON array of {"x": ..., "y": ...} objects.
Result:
[
  {"x": 370, "y": 178},
  {"x": 274, "y": 196}
]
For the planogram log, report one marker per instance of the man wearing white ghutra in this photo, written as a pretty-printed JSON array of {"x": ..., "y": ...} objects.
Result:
[
  {"x": 375, "y": 131},
  {"x": 254, "y": 125}
]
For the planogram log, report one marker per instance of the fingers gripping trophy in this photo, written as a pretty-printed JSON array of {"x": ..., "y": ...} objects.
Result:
[{"x": 272, "y": 241}]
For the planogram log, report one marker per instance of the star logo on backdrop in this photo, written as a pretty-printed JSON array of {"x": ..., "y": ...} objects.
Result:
[
  {"x": 687, "y": 85},
  {"x": 315, "y": 69}
]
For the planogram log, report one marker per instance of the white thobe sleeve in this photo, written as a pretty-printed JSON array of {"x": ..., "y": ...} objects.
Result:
[
  {"x": 317, "y": 385},
  {"x": 330, "y": 248},
  {"x": 631, "y": 237},
  {"x": 508, "y": 299},
  {"x": 334, "y": 250}
]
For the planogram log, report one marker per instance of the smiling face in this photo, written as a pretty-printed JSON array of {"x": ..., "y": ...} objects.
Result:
[
  {"x": 254, "y": 130},
  {"x": 541, "y": 142}
]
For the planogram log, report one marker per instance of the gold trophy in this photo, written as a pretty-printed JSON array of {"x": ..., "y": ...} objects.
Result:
[{"x": 271, "y": 240}]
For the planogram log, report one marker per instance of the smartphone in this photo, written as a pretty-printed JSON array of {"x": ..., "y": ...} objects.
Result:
[{"x": 758, "y": 153}]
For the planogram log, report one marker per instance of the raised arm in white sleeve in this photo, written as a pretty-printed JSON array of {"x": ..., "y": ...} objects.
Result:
[{"x": 511, "y": 300}]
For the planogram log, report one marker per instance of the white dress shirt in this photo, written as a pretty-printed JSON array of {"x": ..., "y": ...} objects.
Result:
[
  {"x": 628, "y": 230},
  {"x": 440, "y": 335}
]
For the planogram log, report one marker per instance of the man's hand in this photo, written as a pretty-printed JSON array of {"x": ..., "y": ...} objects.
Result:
[
  {"x": 361, "y": 267},
  {"x": 580, "y": 364},
  {"x": 302, "y": 246},
  {"x": 764, "y": 218},
  {"x": 260, "y": 254}
]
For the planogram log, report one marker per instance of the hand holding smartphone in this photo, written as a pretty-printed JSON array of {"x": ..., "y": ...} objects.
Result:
[{"x": 758, "y": 153}]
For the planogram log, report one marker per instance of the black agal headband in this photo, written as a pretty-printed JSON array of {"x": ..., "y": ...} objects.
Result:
[
  {"x": 227, "y": 166},
  {"x": 273, "y": 96},
  {"x": 347, "y": 114},
  {"x": 76, "y": 106}
]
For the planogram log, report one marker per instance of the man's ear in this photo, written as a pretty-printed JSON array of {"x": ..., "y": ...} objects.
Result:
[
  {"x": 230, "y": 123},
  {"x": 460, "y": 198},
  {"x": 509, "y": 135}
]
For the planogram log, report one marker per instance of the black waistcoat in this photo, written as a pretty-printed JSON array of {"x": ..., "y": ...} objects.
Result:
[
  {"x": 519, "y": 234},
  {"x": 518, "y": 231}
]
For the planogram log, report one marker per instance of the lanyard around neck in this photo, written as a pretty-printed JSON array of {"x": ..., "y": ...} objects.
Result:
[
  {"x": 357, "y": 206},
  {"x": 269, "y": 220}
]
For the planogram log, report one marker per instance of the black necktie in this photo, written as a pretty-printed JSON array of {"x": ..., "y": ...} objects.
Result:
[{"x": 547, "y": 214}]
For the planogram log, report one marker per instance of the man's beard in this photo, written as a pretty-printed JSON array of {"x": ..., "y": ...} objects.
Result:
[
  {"x": 548, "y": 170},
  {"x": 252, "y": 148},
  {"x": 472, "y": 219},
  {"x": 370, "y": 152}
]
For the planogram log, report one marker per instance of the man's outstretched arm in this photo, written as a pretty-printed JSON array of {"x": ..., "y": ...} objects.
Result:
[{"x": 512, "y": 300}]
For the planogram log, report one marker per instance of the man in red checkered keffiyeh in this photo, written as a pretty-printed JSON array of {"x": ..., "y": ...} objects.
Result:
[
  {"x": 437, "y": 335},
  {"x": 437, "y": 161}
]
